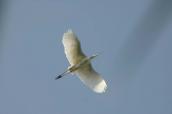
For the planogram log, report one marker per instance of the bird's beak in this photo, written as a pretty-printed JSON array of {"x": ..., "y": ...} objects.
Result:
[{"x": 93, "y": 56}]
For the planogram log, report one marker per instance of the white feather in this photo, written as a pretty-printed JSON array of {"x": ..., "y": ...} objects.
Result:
[
  {"x": 72, "y": 48},
  {"x": 85, "y": 73}
]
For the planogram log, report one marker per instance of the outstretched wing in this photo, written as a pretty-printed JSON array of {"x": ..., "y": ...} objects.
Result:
[
  {"x": 91, "y": 78},
  {"x": 72, "y": 48},
  {"x": 85, "y": 72}
]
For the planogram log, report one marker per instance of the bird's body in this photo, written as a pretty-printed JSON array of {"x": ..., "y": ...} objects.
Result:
[{"x": 80, "y": 64}]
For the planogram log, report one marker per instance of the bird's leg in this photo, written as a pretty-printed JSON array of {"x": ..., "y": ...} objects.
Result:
[
  {"x": 63, "y": 74},
  {"x": 73, "y": 68},
  {"x": 70, "y": 69}
]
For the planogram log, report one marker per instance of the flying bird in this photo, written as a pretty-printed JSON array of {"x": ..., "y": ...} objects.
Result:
[{"x": 80, "y": 64}]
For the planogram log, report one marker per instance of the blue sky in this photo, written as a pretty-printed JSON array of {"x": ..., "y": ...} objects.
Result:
[{"x": 133, "y": 37}]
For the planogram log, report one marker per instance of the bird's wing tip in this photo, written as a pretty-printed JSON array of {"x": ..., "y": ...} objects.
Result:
[
  {"x": 101, "y": 91},
  {"x": 69, "y": 30},
  {"x": 101, "y": 87}
]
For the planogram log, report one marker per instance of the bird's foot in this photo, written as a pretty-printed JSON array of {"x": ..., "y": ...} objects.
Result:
[{"x": 58, "y": 77}]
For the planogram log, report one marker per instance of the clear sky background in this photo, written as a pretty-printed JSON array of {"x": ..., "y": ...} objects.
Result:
[{"x": 134, "y": 38}]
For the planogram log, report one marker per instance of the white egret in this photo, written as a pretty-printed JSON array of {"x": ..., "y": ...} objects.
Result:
[{"x": 81, "y": 64}]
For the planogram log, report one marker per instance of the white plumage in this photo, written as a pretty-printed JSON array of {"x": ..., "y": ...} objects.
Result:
[{"x": 80, "y": 64}]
